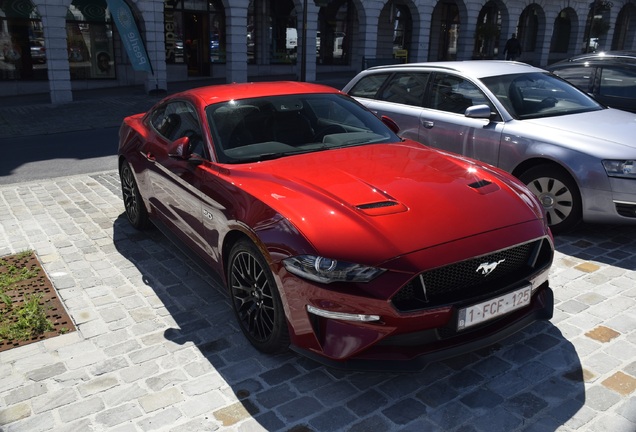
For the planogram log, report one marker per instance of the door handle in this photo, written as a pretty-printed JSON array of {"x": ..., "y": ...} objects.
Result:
[{"x": 428, "y": 124}]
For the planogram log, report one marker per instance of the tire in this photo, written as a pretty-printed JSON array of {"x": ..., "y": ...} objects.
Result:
[
  {"x": 135, "y": 209},
  {"x": 559, "y": 195},
  {"x": 255, "y": 299}
]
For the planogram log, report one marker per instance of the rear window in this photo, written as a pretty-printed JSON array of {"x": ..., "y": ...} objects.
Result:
[
  {"x": 580, "y": 76},
  {"x": 368, "y": 86},
  {"x": 618, "y": 82}
]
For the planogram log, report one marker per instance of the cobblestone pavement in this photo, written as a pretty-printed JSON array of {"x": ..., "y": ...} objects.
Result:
[{"x": 158, "y": 349}]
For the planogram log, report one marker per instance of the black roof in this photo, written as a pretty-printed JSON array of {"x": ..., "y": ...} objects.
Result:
[{"x": 615, "y": 57}]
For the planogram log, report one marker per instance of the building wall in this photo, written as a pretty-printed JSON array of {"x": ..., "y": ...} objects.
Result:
[{"x": 433, "y": 26}]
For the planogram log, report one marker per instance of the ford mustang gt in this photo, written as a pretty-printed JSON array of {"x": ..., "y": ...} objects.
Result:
[{"x": 335, "y": 237}]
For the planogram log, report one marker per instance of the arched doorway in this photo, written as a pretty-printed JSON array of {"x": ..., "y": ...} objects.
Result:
[
  {"x": 625, "y": 31},
  {"x": 597, "y": 25},
  {"x": 563, "y": 42},
  {"x": 488, "y": 31},
  {"x": 395, "y": 31},
  {"x": 444, "y": 31},
  {"x": 336, "y": 30},
  {"x": 194, "y": 34},
  {"x": 528, "y": 33}
]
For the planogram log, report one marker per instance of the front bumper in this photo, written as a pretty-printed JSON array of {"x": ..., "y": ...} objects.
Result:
[{"x": 413, "y": 351}]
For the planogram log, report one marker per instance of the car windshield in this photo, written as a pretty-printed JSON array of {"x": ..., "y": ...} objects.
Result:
[
  {"x": 536, "y": 95},
  {"x": 257, "y": 129}
]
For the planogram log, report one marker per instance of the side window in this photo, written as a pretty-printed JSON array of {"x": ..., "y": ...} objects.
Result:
[
  {"x": 368, "y": 86},
  {"x": 454, "y": 94},
  {"x": 406, "y": 88},
  {"x": 618, "y": 83},
  {"x": 176, "y": 120},
  {"x": 579, "y": 76}
]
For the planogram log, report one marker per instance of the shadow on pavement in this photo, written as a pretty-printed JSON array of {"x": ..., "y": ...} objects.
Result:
[
  {"x": 531, "y": 381},
  {"x": 609, "y": 244}
]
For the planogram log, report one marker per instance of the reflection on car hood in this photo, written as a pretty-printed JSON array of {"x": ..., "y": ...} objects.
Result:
[
  {"x": 593, "y": 128},
  {"x": 385, "y": 199}
]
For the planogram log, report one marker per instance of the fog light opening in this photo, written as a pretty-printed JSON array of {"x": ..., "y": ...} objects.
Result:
[{"x": 342, "y": 315}]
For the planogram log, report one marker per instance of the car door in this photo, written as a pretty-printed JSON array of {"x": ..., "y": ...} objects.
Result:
[
  {"x": 399, "y": 96},
  {"x": 176, "y": 181},
  {"x": 616, "y": 87},
  {"x": 445, "y": 125}
]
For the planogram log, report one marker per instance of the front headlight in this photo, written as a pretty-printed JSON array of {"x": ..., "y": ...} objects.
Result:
[
  {"x": 327, "y": 270},
  {"x": 620, "y": 168}
]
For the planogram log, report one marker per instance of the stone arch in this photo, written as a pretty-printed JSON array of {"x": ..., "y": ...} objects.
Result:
[
  {"x": 396, "y": 24},
  {"x": 564, "y": 35},
  {"x": 531, "y": 33},
  {"x": 625, "y": 28}
]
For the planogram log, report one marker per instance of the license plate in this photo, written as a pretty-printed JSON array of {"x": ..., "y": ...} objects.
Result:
[{"x": 493, "y": 308}]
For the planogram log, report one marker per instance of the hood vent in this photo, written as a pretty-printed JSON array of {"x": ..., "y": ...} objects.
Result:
[
  {"x": 479, "y": 184},
  {"x": 484, "y": 186},
  {"x": 376, "y": 205},
  {"x": 380, "y": 208}
]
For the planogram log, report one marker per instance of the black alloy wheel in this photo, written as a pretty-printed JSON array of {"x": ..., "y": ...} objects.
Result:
[
  {"x": 135, "y": 209},
  {"x": 255, "y": 299}
]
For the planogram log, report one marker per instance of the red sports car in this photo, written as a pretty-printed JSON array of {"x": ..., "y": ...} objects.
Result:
[{"x": 334, "y": 236}]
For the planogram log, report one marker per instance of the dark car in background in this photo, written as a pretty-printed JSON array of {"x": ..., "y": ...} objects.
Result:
[
  {"x": 609, "y": 76},
  {"x": 38, "y": 52}
]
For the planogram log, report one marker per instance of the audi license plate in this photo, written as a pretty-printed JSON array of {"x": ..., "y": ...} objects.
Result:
[{"x": 493, "y": 308}]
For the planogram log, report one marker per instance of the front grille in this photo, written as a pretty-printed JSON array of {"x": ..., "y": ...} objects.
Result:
[{"x": 466, "y": 280}]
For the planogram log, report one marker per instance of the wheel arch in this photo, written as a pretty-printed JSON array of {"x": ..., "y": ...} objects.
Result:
[{"x": 538, "y": 161}]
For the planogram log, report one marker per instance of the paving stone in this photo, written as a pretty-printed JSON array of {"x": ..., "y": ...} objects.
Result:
[
  {"x": 52, "y": 400},
  {"x": 15, "y": 412},
  {"x": 81, "y": 409},
  {"x": 160, "y": 420},
  {"x": 299, "y": 408},
  {"x": 161, "y": 399},
  {"x": 621, "y": 383},
  {"x": 46, "y": 372},
  {"x": 331, "y": 420},
  {"x": 25, "y": 392},
  {"x": 235, "y": 413},
  {"x": 120, "y": 414}
]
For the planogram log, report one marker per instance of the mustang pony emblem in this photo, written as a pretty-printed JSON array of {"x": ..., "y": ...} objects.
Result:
[{"x": 487, "y": 268}]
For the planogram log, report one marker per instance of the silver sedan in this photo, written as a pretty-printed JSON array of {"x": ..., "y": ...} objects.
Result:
[{"x": 576, "y": 155}]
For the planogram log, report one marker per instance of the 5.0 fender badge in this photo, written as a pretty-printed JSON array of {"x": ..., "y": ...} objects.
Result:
[{"x": 487, "y": 268}]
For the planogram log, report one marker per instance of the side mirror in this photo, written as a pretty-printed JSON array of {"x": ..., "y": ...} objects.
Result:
[
  {"x": 391, "y": 124},
  {"x": 478, "y": 112},
  {"x": 180, "y": 148}
]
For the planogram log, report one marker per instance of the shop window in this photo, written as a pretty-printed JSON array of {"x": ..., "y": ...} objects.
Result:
[
  {"x": 560, "y": 42},
  {"x": 488, "y": 32},
  {"x": 283, "y": 42},
  {"x": 89, "y": 33},
  {"x": 195, "y": 34},
  {"x": 23, "y": 55},
  {"x": 335, "y": 26}
]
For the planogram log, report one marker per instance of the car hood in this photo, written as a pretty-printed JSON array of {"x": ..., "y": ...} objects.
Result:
[
  {"x": 382, "y": 201},
  {"x": 607, "y": 133}
]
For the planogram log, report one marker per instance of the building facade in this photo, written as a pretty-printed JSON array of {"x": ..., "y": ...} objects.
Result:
[{"x": 61, "y": 46}]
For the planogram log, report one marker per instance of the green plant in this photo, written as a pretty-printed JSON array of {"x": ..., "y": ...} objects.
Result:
[
  {"x": 31, "y": 321},
  {"x": 24, "y": 318}
]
